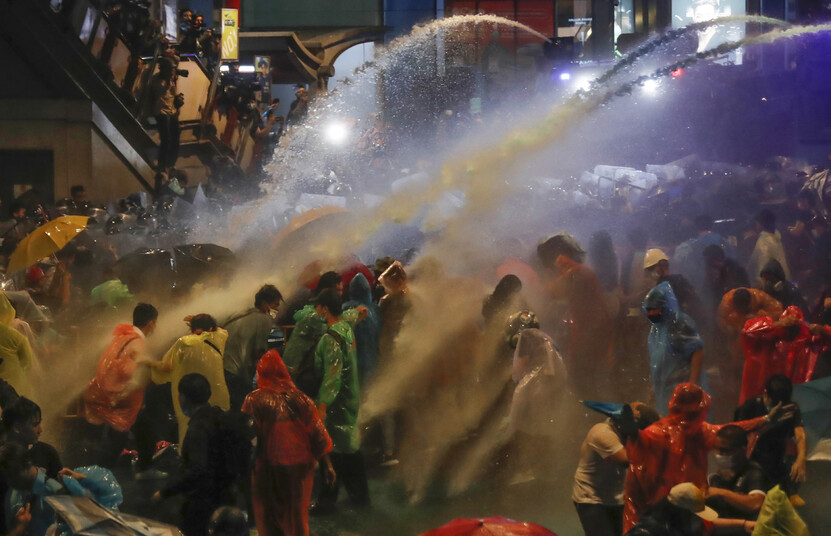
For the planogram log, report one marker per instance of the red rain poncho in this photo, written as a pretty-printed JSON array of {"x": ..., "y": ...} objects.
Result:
[
  {"x": 770, "y": 349},
  {"x": 115, "y": 394},
  {"x": 291, "y": 437},
  {"x": 671, "y": 451},
  {"x": 587, "y": 356}
]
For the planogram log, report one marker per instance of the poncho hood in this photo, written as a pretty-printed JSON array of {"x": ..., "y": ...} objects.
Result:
[{"x": 272, "y": 373}]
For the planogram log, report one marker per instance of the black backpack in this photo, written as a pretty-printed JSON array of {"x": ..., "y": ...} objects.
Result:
[{"x": 306, "y": 378}]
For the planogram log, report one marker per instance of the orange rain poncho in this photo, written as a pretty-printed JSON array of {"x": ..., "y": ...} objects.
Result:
[
  {"x": 115, "y": 395},
  {"x": 671, "y": 451},
  {"x": 770, "y": 349},
  {"x": 291, "y": 438}
]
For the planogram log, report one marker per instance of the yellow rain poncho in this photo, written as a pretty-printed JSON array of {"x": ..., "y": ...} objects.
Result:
[
  {"x": 15, "y": 353},
  {"x": 201, "y": 354}
]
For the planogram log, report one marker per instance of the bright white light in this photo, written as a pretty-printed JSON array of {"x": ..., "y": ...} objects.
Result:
[
  {"x": 650, "y": 86},
  {"x": 336, "y": 133},
  {"x": 224, "y": 68},
  {"x": 565, "y": 76},
  {"x": 583, "y": 83},
  {"x": 247, "y": 69}
]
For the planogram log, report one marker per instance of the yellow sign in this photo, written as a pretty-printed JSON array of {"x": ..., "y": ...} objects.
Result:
[{"x": 230, "y": 34}]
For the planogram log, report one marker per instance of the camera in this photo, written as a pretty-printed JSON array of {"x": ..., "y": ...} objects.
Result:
[{"x": 182, "y": 72}]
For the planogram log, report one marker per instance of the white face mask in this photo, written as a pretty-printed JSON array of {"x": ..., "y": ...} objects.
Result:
[{"x": 272, "y": 313}]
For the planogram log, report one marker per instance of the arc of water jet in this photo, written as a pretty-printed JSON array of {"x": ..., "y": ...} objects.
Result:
[
  {"x": 672, "y": 35},
  {"x": 457, "y": 20}
]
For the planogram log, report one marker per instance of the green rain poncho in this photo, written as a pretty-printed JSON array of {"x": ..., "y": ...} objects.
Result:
[
  {"x": 112, "y": 292},
  {"x": 190, "y": 354},
  {"x": 339, "y": 389},
  {"x": 15, "y": 353}
]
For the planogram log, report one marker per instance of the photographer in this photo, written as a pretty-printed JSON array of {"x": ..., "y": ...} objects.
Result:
[{"x": 166, "y": 105}]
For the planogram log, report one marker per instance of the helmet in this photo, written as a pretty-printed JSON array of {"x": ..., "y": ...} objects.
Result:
[
  {"x": 517, "y": 323},
  {"x": 653, "y": 257}
]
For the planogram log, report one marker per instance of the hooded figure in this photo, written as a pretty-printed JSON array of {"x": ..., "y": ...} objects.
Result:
[
  {"x": 291, "y": 438},
  {"x": 671, "y": 451},
  {"x": 776, "y": 347},
  {"x": 541, "y": 381},
  {"x": 776, "y": 284},
  {"x": 195, "y": 353},
  {"x": 673, "y": 344},
  {"x": 16, "y": 357},
  {"x": 116, "y": 393},
  {"x": 368, "y": 331}
]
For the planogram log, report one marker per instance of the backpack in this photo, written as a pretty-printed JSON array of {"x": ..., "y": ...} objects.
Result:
[
  {"x": 233, "y": 442},
  {"x": 306, "y": 378}
]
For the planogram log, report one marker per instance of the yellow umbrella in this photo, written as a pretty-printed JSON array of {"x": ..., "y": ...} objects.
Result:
[{"x": 46, "y": 240}]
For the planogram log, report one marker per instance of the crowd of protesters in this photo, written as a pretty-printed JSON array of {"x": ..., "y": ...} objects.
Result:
[{"x": 708, "y": 316}]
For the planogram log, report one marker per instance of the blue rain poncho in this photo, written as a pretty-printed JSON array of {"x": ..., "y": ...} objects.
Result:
[
  {"x": 368, "y": 331},
  {"x": 672, "y": 342}
]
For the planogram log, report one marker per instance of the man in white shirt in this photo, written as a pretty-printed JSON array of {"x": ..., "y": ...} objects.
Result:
[{"x": 598, "y": 481}]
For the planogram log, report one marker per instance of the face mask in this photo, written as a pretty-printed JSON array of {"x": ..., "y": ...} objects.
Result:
[
  {"x": 655, "y": 319},
  {"x": 652, "y": 275},
  {"x": 272, "y": 313}
]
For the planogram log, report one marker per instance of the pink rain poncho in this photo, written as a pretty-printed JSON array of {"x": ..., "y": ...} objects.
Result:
[
  {"x": 291, "y": 437},
  {"x": 770, "y": 349},
  {"x": 115, "y": 395},
  {"x": 671, "y": 451}
]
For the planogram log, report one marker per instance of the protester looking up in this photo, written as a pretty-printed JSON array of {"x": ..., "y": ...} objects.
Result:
[
  {"x": 587, "y": 356},
  {"x": 777, "y": 285},
  {"x": 22, "y": 424},
  {"x": 675, "y": 347},
  {"x": 771, "y": 446},
  {"x": 291, "y": 438},
  {"x": 248, "y": 333},
  {"x": 674, "y": 449},
  {"x": 598, "y": 482},
  {"x": 16, "y": 357},
  {"x": 338, "y": 400},
  {"x": 199, "y": 353},
  {"x": 203, "y": 479},
  {"x": 115, "y": 396},
  {"x": 768, "y": 245},
  {"x": 771, "y": 347},
  {"x": 738, "y": 487}
]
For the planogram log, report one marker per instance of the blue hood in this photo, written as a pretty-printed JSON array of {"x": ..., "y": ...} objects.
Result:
[
  {"x": 359, "y": 290},
  {"x": 662, "y": 297}
]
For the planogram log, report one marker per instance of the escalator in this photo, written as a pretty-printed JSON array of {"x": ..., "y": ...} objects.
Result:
[{"x": 73, "y": 52}]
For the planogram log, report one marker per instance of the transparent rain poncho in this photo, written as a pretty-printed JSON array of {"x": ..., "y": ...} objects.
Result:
[
  {"x": 672, "y": 342},
  {"x": 193, "y": 354},
  {"x": 541, "y": 380}
]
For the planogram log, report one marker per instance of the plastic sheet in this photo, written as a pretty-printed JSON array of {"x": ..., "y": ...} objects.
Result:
[
  {"x": 541, "y": 380},
  {"x": 100, "y": 484}
]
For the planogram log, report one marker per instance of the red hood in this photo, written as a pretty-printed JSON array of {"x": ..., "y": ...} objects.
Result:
[{"x": 272, "y": 373}]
